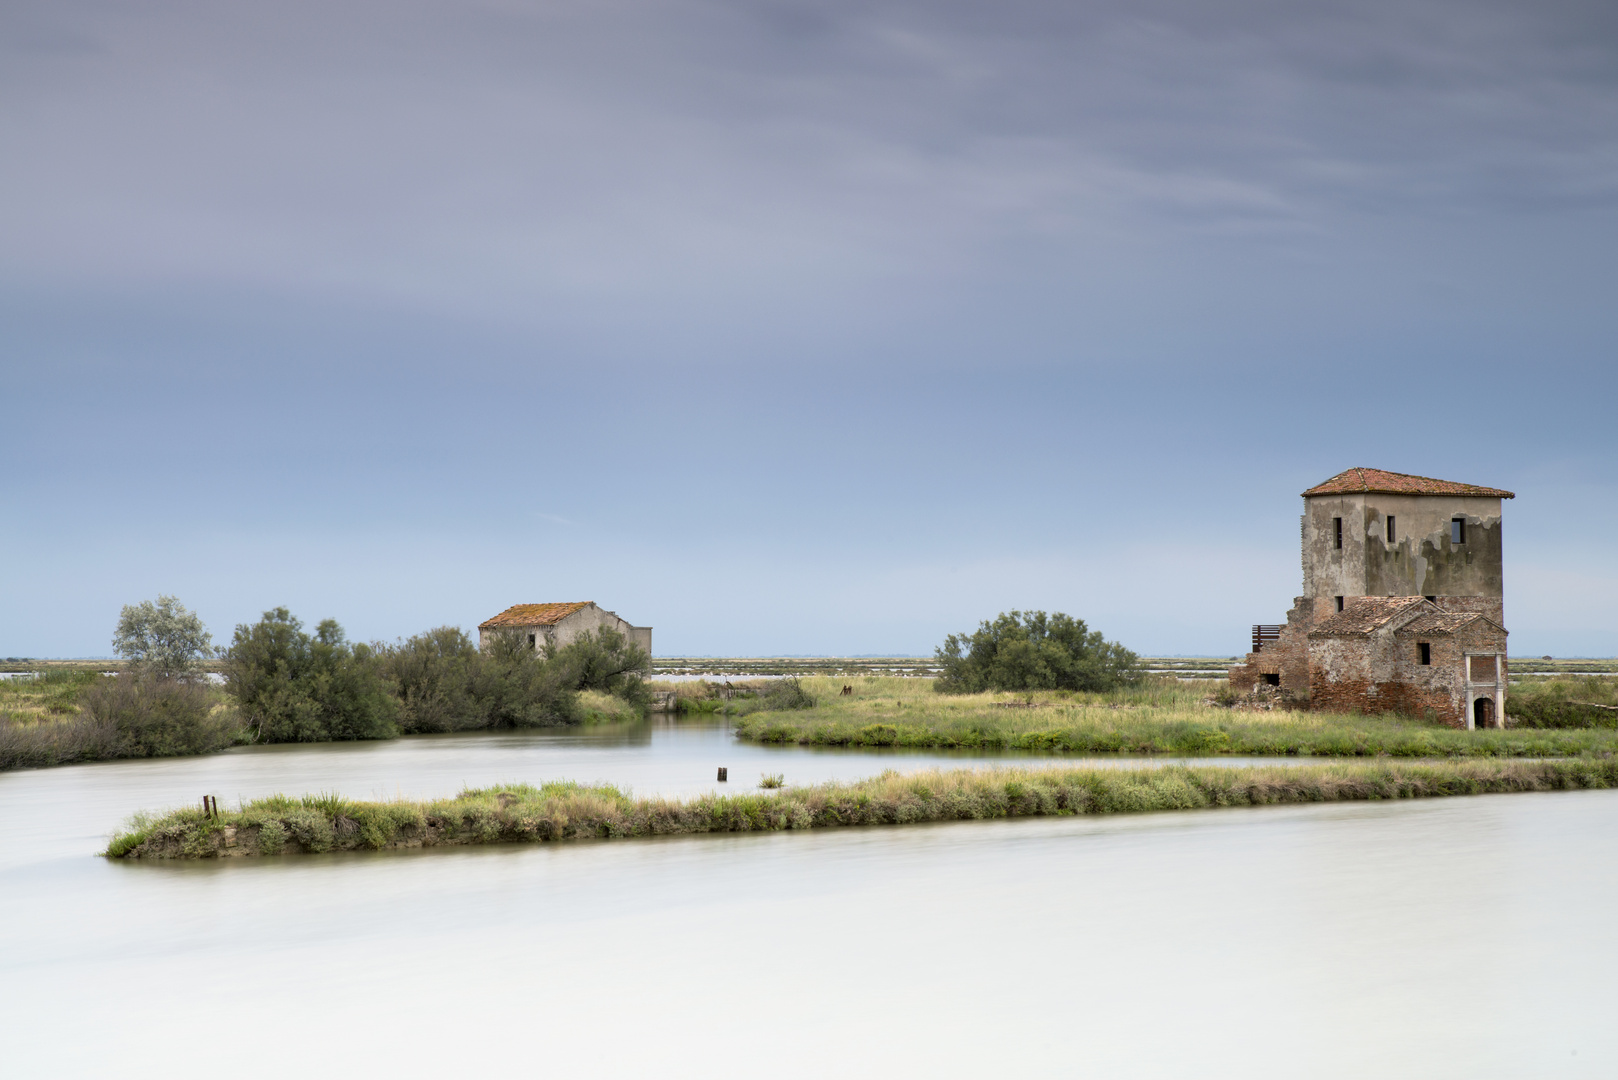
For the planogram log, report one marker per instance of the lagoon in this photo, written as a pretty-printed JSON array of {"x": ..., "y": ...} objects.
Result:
[{"x": 1461, "y": 936}]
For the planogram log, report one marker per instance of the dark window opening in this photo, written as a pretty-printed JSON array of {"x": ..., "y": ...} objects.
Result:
[
  {"x": 1424, "y": 653},
  {"x": 1337, "y": 524},
  {"x": 1272, "y": 680},
  {"x": 532, "y": 641},
  {"x": 1432, "y": 599},
  {"x": 1339, "y": 603},
  {"x": 1390, "y": 528},
  {"x": 1457, "y": 531}
]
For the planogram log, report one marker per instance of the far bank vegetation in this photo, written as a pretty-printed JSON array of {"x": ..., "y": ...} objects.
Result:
[{"x": 284, "y": 684}]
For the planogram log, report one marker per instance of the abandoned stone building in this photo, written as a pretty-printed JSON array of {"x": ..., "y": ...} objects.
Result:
[
  {"x": 1403, "y": 605},
  {"x": 559, "y": 623}
]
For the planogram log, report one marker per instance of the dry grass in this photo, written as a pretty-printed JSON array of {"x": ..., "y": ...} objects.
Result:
[{"x": 523, "y": 813}]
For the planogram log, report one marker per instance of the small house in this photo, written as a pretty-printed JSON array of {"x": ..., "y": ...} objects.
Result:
[{"x": 559, "y": 624}]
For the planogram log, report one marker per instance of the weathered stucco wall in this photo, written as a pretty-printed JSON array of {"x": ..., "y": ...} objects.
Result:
[{"x": 1419, "y": 560}]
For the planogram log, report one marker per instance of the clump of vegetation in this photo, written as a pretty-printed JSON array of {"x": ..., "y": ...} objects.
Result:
[
  {"x": 296, "y": 687},
  {"x": 787, "y": 694},
  {"x": 523, "y": 813},
  {"x": 1034, "y": 651},
  {"x": 1590, "y": 701},
  {"x": 772, "y": 780},
  {"x": 150, "y": 716}
]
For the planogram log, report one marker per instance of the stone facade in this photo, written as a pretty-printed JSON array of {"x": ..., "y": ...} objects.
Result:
[
  {"x": 559, "y": 624},
  {"x": 1423, "y": 556}
]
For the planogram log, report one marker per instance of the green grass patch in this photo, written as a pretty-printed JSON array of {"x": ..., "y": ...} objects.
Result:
[{"x": 1164, "y": 717}]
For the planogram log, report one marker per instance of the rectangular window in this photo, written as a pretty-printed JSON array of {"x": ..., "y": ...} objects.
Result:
[
  {"x": 1339, "y": 603},
  {"x": 1424, "y": 653},
  {"x": 1390, "y": 529},
  {"x": 1272, "y": 679},
  {"x": 532, "y": 641},
  {"x": 1432, "y": 599},
  {"x": 1457, "y": 531},
  {"x": 1337, "y": 526}
]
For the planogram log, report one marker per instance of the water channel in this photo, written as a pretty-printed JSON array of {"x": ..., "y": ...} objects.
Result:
[{"x": 1459, "y": 937}]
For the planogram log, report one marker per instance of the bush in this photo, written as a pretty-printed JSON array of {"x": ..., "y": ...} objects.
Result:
[
  {"x": 148, "y": 716},
  {"x": 296, "y": 688},
  {"x": 1034, "y": 651},
  {"x": 1564, "y": 702},
  {"x": 606, "y": 661},
  {"x": 787, "y": 693},
  {"x": 440, "y": 680},
  {"x": 526, "y": 689}
]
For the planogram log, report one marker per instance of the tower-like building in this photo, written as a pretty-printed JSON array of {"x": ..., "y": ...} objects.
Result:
[{"x": 1403, "y": 605}]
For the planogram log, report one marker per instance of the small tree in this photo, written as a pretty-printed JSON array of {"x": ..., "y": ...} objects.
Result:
[
  {"x": 162, "y": 639},
  {"x": 1033, "y": 651},
  {"x": 607, "y": 661}
]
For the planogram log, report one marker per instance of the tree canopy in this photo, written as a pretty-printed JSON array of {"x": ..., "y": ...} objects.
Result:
[
  {"x": 1033, "y": 651},
  {"x": 162, "y": 638}
]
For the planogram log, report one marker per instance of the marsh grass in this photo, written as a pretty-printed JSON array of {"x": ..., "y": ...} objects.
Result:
[
  {"x": 596, "y": 707},
  {"x": 48, "y": 696},
  {"x": 1163, "y": 716},
  {"x": 525, "y": 813}
]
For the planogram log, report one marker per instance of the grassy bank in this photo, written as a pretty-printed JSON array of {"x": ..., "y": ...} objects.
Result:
[
  {"x": 1164, "y": 717},
  {"x": 522, "y": 813}
]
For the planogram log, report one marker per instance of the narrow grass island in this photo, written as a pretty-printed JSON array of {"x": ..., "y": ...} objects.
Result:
[{"x": 523, "y": 813}]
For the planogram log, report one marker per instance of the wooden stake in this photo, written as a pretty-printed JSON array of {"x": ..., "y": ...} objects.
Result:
[{"x": 723, "y": 777}]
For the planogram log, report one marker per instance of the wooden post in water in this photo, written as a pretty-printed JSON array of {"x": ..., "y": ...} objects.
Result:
[{"x": 723, "y": 777}]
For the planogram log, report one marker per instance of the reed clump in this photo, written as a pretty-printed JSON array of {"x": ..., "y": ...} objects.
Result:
[
  {"x": 525, "y": 813},
  {"x": 1165, "y": 717}
]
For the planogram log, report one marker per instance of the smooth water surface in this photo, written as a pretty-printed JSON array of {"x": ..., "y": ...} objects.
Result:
[{"x": 1458, "y": 937}]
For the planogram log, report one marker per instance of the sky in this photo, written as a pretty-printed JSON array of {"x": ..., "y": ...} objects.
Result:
[{"x": 793, "y": 328}]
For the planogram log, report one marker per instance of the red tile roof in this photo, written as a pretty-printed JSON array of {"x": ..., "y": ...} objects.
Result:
[
  {"x": 1380, "y": 481},
  {"x": 533, "y": 615}
]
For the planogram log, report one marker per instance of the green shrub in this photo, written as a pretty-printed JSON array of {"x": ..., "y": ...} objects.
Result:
[
  {"x": 606, "y": 661},
  {"x": 787, "y": 693},
  {"x": 441, "y": 681},
  {"x": 1034, "y": 651},
  {"x": 296, "y": 688},
  {"x": 150, "y": 716}
]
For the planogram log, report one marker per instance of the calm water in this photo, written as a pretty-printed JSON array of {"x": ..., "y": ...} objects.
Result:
[{"x": 1463, "y": 937}]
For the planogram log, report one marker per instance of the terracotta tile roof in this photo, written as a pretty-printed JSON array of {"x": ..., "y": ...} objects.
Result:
[
  {"x": 1357, "y": 481},
  {"x": 533, "y": 615},
  {"x": 1445, "y": 622},
  {"x": 1439, "y": 622},
  {"x": 1368, "y": 614}
]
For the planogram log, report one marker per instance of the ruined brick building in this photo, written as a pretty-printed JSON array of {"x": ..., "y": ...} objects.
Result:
[{"x": 1402, "y": 607}]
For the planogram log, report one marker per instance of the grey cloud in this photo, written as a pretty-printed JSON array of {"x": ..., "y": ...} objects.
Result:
[{"x": 502, "y": 151}]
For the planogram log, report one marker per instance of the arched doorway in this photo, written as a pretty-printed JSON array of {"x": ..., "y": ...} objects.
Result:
[{"x": 1483, "y": 713}]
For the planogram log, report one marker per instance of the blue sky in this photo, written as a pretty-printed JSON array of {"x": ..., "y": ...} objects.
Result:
[{"x": 792, "y": 328}]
